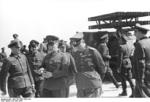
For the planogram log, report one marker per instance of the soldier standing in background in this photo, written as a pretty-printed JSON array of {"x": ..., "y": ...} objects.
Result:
[
  {"x": 43, "y": 46},
  {"x": 103, "y": 49},
  {"x": 125, "y": 66},
  {"x": 90, "y": 66},
  {"x": 16, "y": 74},
  {"x": 35, "y": 59},
  {"x": 71, "y": 65},
  {"x": 2, "y": 57},
  {"x": 3, "y": 53},
  {"x": 56, "y": 70},
  {"x": 142, "y": 62}
]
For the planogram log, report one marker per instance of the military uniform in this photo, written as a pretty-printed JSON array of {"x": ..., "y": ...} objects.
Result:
[
  {"x": 91, "y": 71},
  {"x": 71, "y": 71},
  {"x": 90, "y": 68},
  {"x": 142, "y": 67},
  {"x": 142, "y": 62},
  {"x": 2, "y": 57},
  {"x": 16, "y": 72},
  {"x": 125, "y": 68},
  {"x": 70, "y": 64},
  {"x": 35, "y": 61},
  {"x": 103, "y": 49},
  {"x": 56, "y": 63}
]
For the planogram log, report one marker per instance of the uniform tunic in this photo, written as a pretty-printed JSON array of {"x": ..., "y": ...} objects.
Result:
[
  {"x": 35, "y": 62},
  {"x": 16, "y": 72},
  {"x": 103, "y": 49},
  {"x": 55, "y": 63},
  {"x": 125, "y": 66},
  {"x": 91, "y": 69}
]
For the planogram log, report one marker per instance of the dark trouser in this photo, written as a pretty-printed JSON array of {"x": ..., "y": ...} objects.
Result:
[
  {"x": 111, "y": 76},
  {"x": 89, "y": 93},
  {"x": 70, "y": 81},
  {"x": 38, "y": 88},
  {"x": 26, "y": 92},
  {"x": 141, "y": 91},
  {"x": 126, "y": 74},
  {"x": 54, "y": 93},
  {"x": 67, "y": 91}
]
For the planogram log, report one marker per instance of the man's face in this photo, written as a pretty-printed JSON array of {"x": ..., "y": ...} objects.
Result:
[
  {"x": 52, "y": 47},
  {"x": 137, "y": 34},
  {"x": 15, "y": 50},
  {"x": 62, "y": 49},
  {"x": 80, "y": 45},
  {"x": 33, "y": 48},
  {"x": 75, "y": 42}
]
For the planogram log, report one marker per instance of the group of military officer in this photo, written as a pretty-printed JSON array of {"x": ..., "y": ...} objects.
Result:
[{"x": 48, "y": 74}]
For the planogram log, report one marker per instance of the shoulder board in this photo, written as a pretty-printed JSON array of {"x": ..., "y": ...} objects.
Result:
[{"x": 91, "y": 48}]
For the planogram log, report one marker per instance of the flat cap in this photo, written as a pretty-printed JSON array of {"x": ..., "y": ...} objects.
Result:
[
  {"x": 51, "y": 38},
  {"x": 14, "y": 43},
  {"x": 34, "y": 43}
]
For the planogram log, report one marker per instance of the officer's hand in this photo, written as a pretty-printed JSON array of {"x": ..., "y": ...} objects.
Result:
[{"x": 47, "y": 74}]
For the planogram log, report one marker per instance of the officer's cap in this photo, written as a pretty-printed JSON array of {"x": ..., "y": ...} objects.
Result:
[
  {"x": 77, "y": 36},
  {"x": 34, "y": 43},
  {"x": 14, "y": 43},
  {"x": 140, "y": 28},
  {"x": 104, "y": 36},
  {"x": 51, "y": 39}
]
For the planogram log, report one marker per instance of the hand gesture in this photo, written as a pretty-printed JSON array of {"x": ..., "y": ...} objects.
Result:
[{"x": 47, "y": 74}]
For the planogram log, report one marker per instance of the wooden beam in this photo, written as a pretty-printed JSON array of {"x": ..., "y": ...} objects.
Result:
[{"x": 118, "y": 24}]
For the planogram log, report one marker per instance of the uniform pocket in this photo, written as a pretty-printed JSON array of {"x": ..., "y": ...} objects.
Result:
[{"x": 92, "y": 75}]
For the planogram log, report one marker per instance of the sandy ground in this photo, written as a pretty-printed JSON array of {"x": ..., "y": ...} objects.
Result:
[{"x": 109, "y": 91}]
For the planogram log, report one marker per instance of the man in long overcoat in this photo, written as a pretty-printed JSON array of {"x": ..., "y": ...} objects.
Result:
[{"x": 142, "y": 62}]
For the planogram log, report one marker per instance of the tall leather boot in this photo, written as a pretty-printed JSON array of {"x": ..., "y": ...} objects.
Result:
[
  {"x": 124, "y": 93},
  {"x": 132, "y": 93}
]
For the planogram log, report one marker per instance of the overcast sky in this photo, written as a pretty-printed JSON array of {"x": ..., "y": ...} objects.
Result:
[{"x": 34, "y": 19}]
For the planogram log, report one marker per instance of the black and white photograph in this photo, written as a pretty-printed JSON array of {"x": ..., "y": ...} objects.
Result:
[{"x": 74, "y": 49}]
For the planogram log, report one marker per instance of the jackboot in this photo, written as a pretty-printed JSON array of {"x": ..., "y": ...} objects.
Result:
[{"x": 124, "y": 93}]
